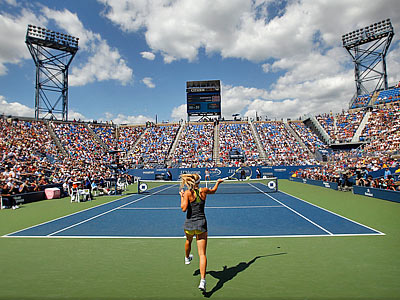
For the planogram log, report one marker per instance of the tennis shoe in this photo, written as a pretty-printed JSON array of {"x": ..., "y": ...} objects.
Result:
[
  {"x": 202, "y": 285},
  {"x": 188, "y": 259}
]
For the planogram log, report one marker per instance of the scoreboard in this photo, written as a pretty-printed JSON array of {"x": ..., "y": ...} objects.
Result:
[{"x": 203, "y": 98}]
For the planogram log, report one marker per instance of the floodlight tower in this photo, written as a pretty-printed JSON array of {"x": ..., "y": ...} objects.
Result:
[
  {"x": 368, "y": 47},
  {"x": 52, "y": 53}
]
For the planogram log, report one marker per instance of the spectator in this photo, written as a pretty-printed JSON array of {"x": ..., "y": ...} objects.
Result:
[
  {"x": 237, "y": 135},
  {"x": 281, "y": 146}
]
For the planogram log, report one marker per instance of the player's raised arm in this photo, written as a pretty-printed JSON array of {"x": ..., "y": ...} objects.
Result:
[{"x": 214, "y": 189}]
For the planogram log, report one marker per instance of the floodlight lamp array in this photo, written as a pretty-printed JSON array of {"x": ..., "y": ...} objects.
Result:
[
  {"x": 367, "y": 34},
  {"x": 44, "y": 34}
]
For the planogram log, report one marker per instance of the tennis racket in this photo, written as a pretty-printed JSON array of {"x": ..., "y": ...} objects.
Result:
[{"x": 242, "y": 173}]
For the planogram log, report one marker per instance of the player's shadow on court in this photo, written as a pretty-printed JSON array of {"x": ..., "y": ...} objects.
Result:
[{"x": 228, "y": 274}]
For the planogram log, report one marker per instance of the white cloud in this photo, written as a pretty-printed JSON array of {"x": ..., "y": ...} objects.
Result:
[
  {"x": 148, "y": 55},
  {"x": 303, "y": 43},
  {"x": 124, "y": 119},
  {"x": 76, "y": 115},
  {"x": 20, "y": 110},
  {"x": 12, "y": 34},
  {"x": 148, "y": 81},
  {"x": 70, "y": 23},
  {"x": 234, "y": 99},
  {"x": 306, "y": 87},
  {"x": 11, "y": 2},
  {"x": 129, "y": 15},
  {"x": 393, "y": 65},
  {"x": 266, "y": 68},
  {"x": 243, "y": 28},
  {"x": 15, "y": 108},
  {"x": 104, "y": 62},
  {"x": 168, "y": 58},
  {"x": 288, "y": 98},
  {"x": 179, "y": 113}
]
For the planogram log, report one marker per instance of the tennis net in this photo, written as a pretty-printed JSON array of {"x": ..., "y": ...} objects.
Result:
[{"x": 250, "y": 186}]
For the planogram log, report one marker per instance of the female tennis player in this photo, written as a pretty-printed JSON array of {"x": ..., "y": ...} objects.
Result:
[{"x": 193, "y": 202}]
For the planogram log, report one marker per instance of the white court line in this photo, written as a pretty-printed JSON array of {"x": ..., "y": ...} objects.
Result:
[
  {"x": 207, "y": 207},
  {"x": 355, "y": 222},
  {"x": 106, "y": 212},
  {"x": 315, "y": 224},
  {"x": 78, "y": 212},
  {"x": 182, "y": 237}
]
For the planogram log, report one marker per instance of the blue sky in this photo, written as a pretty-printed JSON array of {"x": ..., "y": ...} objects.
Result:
[{"x": 281, "y": 59}]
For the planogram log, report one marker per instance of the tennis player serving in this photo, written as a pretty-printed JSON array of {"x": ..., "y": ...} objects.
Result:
[{"x": 192, "y": 202}]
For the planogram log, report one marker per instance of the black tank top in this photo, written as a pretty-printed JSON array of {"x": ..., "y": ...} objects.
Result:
[{"x": 195, "y": 216}]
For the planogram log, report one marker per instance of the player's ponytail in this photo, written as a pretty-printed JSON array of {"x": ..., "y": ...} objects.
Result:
[{"x": 191, "y": 181}]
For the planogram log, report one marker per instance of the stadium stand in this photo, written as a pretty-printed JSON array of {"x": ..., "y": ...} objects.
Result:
[
  {"x": 341, "y": 127},
  {"x": 347, "y": 124},
  {"x": 195, "y": 146},
  {"x": 328, "y": 124},
  {"x": 106, "y": 133},
  {"x": 155, "y": 146},
  {"x": 27, "y": 155},
  {"x": 78, "y": 142},
  {"x": 31, "y": 160},
  {"x": 382, "y": 130},
  {"x": 362, "y": 101},
  {"x": 128, "y": 135},
  {"x": 281, "y": 146},
  {"x": 353, "y": 167},
  {"x": 237, "y": 135},
  {"x": 387, "y": 96},
  {"x": 309, "y": 138}
]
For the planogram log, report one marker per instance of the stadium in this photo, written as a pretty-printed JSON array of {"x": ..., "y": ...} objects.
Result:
[{"x": 308, "y": 208}]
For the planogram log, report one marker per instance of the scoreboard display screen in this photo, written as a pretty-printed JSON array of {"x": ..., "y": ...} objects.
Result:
[{"x": 203, "y": 98}]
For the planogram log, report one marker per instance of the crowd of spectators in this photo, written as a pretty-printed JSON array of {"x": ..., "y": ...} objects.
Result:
[
  {"x": 281, "y": 146},
  {"x": 354, "y": 167},
  {"x": 79, "y": 143},
  {"x": 154, "y": 146},
  {"x": 237, "y": 135},
  {"x": 361, "y": 101},
  {"x": 309, "y": 138},
  {"x": 347, "y": 124},
  {"x": 195, "y": 146},
  {"x": 86, "y": 159},
  {"x": 341, "y": 127},
  {"x": 128, "y": 135},
  {"x": 106, "y": 133},
  {"x": 387, "y": 96},
  {"x": 327, "y": 122},
  {"x": 382, "y": 130},
  {"x": 30, "y": 159},
  {"x": 26, "y": 155}
]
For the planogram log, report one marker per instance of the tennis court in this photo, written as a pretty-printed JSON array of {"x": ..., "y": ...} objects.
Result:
[
  {"x": 351, "y": 265},
  {"x": 241, "y": 209}
]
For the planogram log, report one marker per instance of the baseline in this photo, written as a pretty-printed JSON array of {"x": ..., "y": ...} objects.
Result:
[{"x": 207, "y": 207}]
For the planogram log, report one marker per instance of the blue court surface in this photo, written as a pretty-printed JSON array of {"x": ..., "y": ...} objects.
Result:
[{"x": 251, "y": 213}]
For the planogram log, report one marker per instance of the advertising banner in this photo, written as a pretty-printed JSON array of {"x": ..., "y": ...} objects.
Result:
[
  {"x": 377, "y": 193},
  {"x": 326, "y": 184}
]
